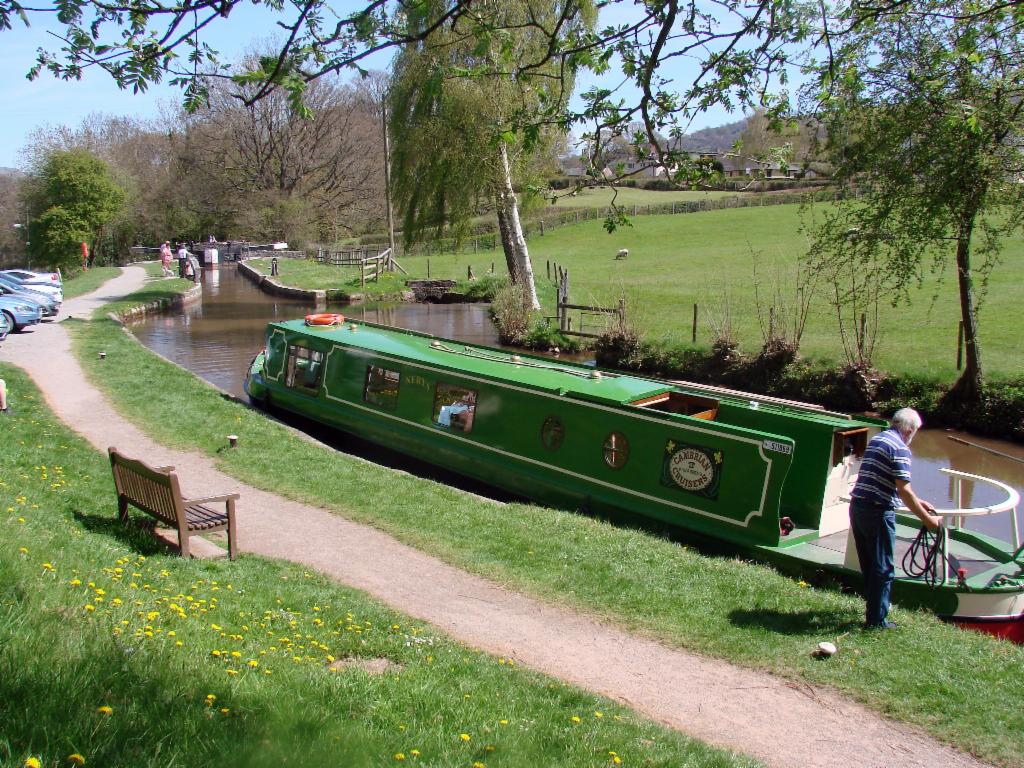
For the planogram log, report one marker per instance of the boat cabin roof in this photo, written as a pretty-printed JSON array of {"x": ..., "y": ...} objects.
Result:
[{"x": 546, "y": 374}]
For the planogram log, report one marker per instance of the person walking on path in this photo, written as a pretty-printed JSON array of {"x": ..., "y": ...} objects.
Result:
[
  {"x": 883, "y": 482},
  {"x": 165, "y": 259}
]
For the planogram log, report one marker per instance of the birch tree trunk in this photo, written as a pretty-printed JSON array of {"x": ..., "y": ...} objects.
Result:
[{"x": 517, "y": 256}]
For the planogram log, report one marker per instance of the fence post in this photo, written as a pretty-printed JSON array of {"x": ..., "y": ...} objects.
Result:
[
  {"x": 673, "y": 207},
  {"x": 549, "y": 268},
  {"x": 428, "y": 268},
  {"x": 695, "y": 322},
  {"x": 960, "y": 346},
  {"x": 492, "y": 267},
  {"x": 542, "y": 227}
]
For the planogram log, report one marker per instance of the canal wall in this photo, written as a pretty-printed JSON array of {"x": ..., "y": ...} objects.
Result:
[
  {"x": 176, "y": 302},
  {"x": 271, "y": 286}
]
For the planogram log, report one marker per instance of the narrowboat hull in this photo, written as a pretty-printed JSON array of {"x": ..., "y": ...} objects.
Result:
[{"x": 769, "y": 477}]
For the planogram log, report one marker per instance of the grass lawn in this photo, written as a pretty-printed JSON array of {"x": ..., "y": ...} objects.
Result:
[
  {"x": 115, "y": 653},
  {"x": 601, "y": 197},
  {"x": 957, "y": 685},
  {"x": 707, "y": 259},
  {"x": 89, "y": 281}
]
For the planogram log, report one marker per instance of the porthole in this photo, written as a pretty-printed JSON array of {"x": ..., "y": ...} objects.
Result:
[
  {"x": 552, "y": 432},
  {"x": 616, "y": 450}
]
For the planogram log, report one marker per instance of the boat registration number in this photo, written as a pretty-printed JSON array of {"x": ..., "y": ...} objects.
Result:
[{"x": 777, "y": 447}]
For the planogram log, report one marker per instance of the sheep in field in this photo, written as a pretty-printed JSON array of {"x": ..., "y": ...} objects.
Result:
[{"x": 622, "y": 254}]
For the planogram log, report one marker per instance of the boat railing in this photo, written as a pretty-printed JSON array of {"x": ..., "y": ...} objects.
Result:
[{"x": 955, "y": 518}]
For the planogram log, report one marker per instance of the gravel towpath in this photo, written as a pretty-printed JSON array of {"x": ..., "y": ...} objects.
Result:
[{"x": 722, "y": 704}]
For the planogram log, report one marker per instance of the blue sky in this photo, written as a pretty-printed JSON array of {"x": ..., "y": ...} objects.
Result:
[{"x": 47, "y": 101}]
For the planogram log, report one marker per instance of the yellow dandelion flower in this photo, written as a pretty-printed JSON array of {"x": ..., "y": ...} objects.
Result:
[
  {"x": 47, "y": 566},
  {"x": 224, "y": 710},
  {"x": 399, "y": 756},
  {"x": 90, "y": 607},
  {"x": 414, "y": 752},
  {"x": 105, "y": 710},
  {"x": 178, "y": 643},
  {"x": 75, "y": 582},
  {"x": 76, "y": 759},
  {"x": 253, "y": 663},
  {"x": 215, "y": 652},
  {"x": 236, "y": 654},
  {"x": 465, "y": 736},
  {"x": 32, "y": 762},
  {"x": 599, "y": 715},
  {"x": 503, "y": 722},
  {"x": 478, "y": 764},
  {"x": 575, "y": 718},
  {"x": 24, "y": 551},
  {"x": 232, "y": 671},
  {"x": 617, "y": 760}
]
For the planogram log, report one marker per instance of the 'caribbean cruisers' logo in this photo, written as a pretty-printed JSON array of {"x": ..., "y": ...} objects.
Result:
[{"x": 692, "y": 468}]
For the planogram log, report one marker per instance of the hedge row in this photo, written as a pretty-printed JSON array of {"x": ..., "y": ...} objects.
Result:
[{"x": 780, "y": 372}]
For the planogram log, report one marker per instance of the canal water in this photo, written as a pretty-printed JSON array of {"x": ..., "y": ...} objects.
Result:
[{"x": 218, "y": 337}]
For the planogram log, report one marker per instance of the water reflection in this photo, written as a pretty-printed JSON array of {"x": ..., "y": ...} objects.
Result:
[
  {"x": 217, "y": 337},
  {"x": 934, "y": 449}
]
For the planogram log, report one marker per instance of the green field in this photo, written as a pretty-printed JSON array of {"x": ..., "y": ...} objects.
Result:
[
  {"x": 640, "y": 581},
  {"x": 708, "y": 259},
  {"x": 115, "y": 653},
  {"x": 601, "y": 197}
]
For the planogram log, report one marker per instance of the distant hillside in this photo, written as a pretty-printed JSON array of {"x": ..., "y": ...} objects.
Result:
[
  {"x": 718, "y": 139},
  {"x": 4, "y": 171}
]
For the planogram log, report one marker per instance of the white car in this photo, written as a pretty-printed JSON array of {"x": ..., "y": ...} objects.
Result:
[
  {"x": 44, "y": 285},
  {"x": 28, "y": 276}
]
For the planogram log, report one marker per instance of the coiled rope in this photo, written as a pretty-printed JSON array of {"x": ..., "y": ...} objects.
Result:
[{"x": 919, "y": 561}]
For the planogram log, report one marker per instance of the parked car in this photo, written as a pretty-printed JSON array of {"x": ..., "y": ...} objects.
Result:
[
  {"x": 49, "y": 304},
  {"x": 49, "y": 288},
  {"x": 46, "y": 278},
  {"x": 20, "y": 312}
]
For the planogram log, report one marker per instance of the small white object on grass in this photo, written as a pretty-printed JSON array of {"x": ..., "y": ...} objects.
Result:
[{"x": 825, "y": 649}]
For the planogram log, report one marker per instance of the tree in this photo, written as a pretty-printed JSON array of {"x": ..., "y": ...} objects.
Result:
[
  {"x": 923, "y": 107},
  {"x": 279, "y": 173},
  {"x": 72, "y": 199},
  {"x": 454, "y": 144}
]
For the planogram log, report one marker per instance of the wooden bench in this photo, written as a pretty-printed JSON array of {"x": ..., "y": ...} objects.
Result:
[{"x": 156, "y": 492}]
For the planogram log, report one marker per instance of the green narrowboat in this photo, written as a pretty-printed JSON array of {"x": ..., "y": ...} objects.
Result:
[{"x": 771, "y": 477}]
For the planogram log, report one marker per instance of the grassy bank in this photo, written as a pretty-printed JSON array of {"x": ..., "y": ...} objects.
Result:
[
  {"x": 119, "y": 653},
  {"x": 954, "y": 684},
  {"x": 87, "y": 282}
]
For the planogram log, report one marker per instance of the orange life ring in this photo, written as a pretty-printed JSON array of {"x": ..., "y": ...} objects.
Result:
[{"x": 326, "y": 318}]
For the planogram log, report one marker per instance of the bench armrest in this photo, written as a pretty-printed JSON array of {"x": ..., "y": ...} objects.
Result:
[
  {"x": 164, "y": 469},
  {"x": 210, "y": 499}
]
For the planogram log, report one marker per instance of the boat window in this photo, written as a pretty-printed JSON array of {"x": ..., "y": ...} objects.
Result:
[
  {"x": 552, "y": 432},
  {"x": 381, "y": 387},
  {"x": 616, "y": 450},
  {"x": 305, "y": 368},
  {"x": 454, "y": 407}
]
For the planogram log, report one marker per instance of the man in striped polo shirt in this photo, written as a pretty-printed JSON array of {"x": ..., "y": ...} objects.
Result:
[{"x": 882, "y": 483}]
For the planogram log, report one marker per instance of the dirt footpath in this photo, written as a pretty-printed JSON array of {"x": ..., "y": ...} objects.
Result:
[{"x": 716, "y": 702}]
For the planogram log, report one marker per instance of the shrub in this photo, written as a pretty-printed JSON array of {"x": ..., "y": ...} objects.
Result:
[{"x": 511, "y": 314}]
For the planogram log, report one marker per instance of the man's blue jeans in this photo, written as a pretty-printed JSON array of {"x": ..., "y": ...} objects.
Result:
[{"x": 874, "y": 531}]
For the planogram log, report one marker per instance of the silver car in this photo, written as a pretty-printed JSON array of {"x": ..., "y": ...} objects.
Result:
[{"x": 49, "y": 304}]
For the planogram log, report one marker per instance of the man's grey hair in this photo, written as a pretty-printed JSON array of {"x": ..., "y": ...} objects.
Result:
[{"x": 906, "y": 420}]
